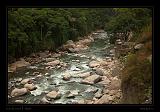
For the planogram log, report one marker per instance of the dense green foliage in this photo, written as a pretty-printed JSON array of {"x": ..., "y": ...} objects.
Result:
[
  {"x": 37, "y": 29},
  {"x": 128, "y": 20}
]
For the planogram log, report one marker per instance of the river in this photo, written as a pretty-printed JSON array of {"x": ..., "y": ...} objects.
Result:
[{"x": 53, "y": 80}]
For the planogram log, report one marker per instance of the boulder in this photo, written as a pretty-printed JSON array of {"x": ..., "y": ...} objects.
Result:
[
  {"x": 66, "y": 76},
  {"x": 105, "y": 99},
  {"x": 18, "y": 64},
  {"x": 19, "y": 101},
  {"x": 91, "y": 79},
  {"x": 105, "y": 82},
  {"x": 53, "y": 63},
  {"x": 84, "y": 75},
  {"x": 93, "y": 64},
  {"x": 99, "y": 71},
  {"x": 72, "y": 93},
  {"x": 24, "y": 81},
  {"x": 53, "y": 95},
  {"x": 98, "y": 94},
  {"x": 30, "y": 87},
  {"x": 18, "y": 92},
  {"x": 138, "y": 46}
]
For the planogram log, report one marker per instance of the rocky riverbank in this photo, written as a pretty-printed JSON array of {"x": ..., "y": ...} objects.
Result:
[{"x": 81, "y": 72}]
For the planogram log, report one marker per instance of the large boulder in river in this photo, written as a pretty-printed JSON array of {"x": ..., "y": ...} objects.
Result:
[
  {"x": 91, "y": 79},
  {"x": 18, "y": 92},
  {"x": 53, "y": 63},
  {"x": 93, "y": 64},
  {"x": 30, "y": 87},
  {"x": 53, "y": 94},
  {"x": 18, "y": 64}
]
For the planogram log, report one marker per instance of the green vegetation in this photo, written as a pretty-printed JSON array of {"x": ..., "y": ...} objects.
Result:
[
  {"x": 128, "y": 20},
  {"x": 137, "y": 73},
  {"x": 38, "y": 29}
]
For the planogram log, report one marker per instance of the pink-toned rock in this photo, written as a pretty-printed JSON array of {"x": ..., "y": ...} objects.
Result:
[
  {"x": 18, "y": 92},
  {"x": 24, "y": 81},
  {"x": 18, "y": 64},
  {"x": 30, "y": 87},
  {"x": 53, "y": 63},
  {"x": 53, "y": 94},
  {"x": 91, "y": 79}
]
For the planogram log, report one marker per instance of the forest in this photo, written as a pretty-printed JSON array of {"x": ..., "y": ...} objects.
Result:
[{"x": 121, "y": 61}]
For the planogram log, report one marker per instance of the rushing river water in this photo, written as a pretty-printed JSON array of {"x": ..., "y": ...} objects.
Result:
[{"x": 54, "y": 80}]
